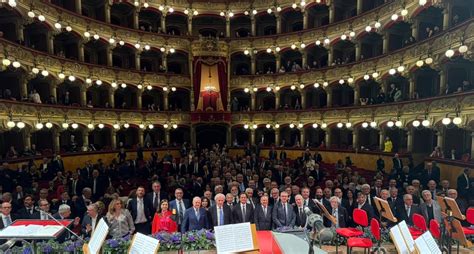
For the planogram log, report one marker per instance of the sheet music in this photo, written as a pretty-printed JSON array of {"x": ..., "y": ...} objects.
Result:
[
  {"x": 12, "y": 230},
  {"x": 50, "y": 230},
  {"x": 234, "y": 238},
  {"x": 144, "y": 244},
  {"x": 31, "y": 230},
  {"x": 407, "y": 236},
  {"x": 98, "y": 237},
  {"x": 431, "y": 243},
  {"x": 398, "y": 240}
]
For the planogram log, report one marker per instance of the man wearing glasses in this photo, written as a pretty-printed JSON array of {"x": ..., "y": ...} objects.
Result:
[{"x": 7, "y": 217}]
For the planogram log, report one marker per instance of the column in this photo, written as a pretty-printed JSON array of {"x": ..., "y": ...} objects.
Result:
[
  {"x": 277, "y": 62},
  {"x": 107, "y": 11},
  {"x": 193, "y": 136},
  {"x": 355, "y": 139},
  {"x": 227, "y": 27},
  {"x": 446, "y": 15},
  {"x": 56, "y": 141},
  {"x": 359, "y": 6},
  {"x": 164, "y": 61},
  {"x": 23, "y": 87},
  {"x": 277, "y": 137},
  {"x": 26, "y": 137},
  {"x": 113, "y": 139},
  {"x": 112, "y": 97},
  {"x": 472, "y": 145},
  {"x": 302, "y": 139},
  {"x": 110, "y": 54},
  {"x": 253, "y": 25},
  {"x": 50, "y": 43},
  {"x": 52, "y": 89},
  {"x": 329, "y": 97},
  {"x": 191, "y": 74},
  {"x": 85, "y": 137},
  {"x": 253, "y": 100},
  {"x": 440, "y": 139},
  {"x": 415, "y": 29},
  {"x": 228, "y": 136},
  {"x": 303, "y": 99},
  {"x": 80, "y": 51},
  {"x": 327, "y": 138},
  {"x": 412, "y": 86},
  {"x": 135, "y": 14},
  {"x": 167, "y": 136},
  {"x": 139, "y": 99},
  {"x": 140, "y": 136},
  {"x": 332, "y": 10},
  {"x": 305, "y": 19},
  {"x": 83, "y": 96},
  {"x": 277, "y": 100},
  {"x": 252, "y": 136},
  {"x": 278, "y": 19},
  {"x": 386, "y": 42},
  {"x": 165, "y": 100},
  {"x": 190, "y": 25},
  {"x": 442, "y": 82},
  {"x": 304, "y": 58},
  {"x": 19, "y": 32},
  {"x": 382, "y": 139},
  {"x": 137, "y": 60},
  {"x": 253, "y": 64},
  {"x": 78, "y": 4},
  {"x": 163, "y": 22},
  {"x": 330, "y": 55},
  {"x": 410, "y": 140},
  {"x": 356, "y": 95},
  {"x": 358, "y": 50}
]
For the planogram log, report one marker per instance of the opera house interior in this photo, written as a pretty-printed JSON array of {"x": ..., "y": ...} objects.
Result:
[{"x": 238, "y": 103}]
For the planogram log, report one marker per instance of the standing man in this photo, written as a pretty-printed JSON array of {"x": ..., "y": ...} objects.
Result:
[
  {"x": 263, "y": 214},
  {"x": 155, "y": 197},
  {"x": 90, "y": 220},
  {"x": 195, "y": 218},
  {"x": 282, "y": 213},
  {"x": 140, "y": 211},
  {"x": 339, "y": 212},
  {"x": 220, "y": 213},
  {"x": 242, "y": 212},
  {"x": 299, "y": 211},
  {"x": 179, "y": 205}
]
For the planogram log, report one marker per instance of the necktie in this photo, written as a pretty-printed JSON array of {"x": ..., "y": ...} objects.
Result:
[
  {"x": 155, "y": 201},
  {"x": 334, "y": 213},
  {"x": 181, "y": 211},
  {"x": 284, "y": 209},
  {"x": 301, "y": 214},
  {"x": 305, "y": 203},
  {"x": 264, "y": 211},
  {"x": 243, "y": 213},
  {"x": 221, "y": 216},
  {"x": 8, "y": 221},
  {"x": 197, "y": 213},
  {"x": 408, "y": 211}
]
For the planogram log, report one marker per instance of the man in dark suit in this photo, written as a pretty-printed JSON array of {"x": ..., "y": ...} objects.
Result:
[
  {"x": 195, "y": 168},
  {"x": 405, "y": 212},
  {"x": 339, "y": 212},
  {"x": 242, "y": 212},
  {"x": 64, "y": 200},
  {"x": 364, "y": 205},
  {"x": 463, "y": 183},
  {"x": 431, "y": 172},
  {"x": 179, "y": 205},
  {"x": 90, "y": 220},
  {"x": 154, "y": 198},
  {"x": 140, "y": 210},
  {"x": 320, "y": 198},
  {"x": 307, "y": 201},
  {"x": 394, "y": 200},
  {"x": 283, "y": 213},
  {"x": 64, "y": 213},
  {"x": 316, "y": 173},
  {"x": 263, "y": 214},
  {"x": 221, "y": 214},
  {"x": 279, "y": 175},
  {"x": 76, "y": 184},
  {"x": 299, "y": 211},
  {"x": 397, "y": 163},
  {"x": 7, "y": 217},
  {"x": 195, "y": 218},
  {"x": 27, "y": 211},
  {"x": 98, "y": 185},
  {"x": 462, "y": 204},
  {"x": 83, "y": 201}
]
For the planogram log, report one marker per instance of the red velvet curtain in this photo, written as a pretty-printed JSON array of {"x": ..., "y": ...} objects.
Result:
[
  {"x": 222, "y": 70},
  {"x": 197, "y": 81}
]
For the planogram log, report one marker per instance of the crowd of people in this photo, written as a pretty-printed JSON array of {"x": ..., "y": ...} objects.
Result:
[{"x": 209, "y": 187}]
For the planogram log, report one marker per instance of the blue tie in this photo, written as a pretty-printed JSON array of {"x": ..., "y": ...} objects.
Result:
[{"x": 221, "y": 216}]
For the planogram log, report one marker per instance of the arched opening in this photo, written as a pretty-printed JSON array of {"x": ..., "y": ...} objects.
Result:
[
  {"x": 69, "y": 93},
  {"x": 123, "y": 57},
  {"x": 317, "y": 56},
  {"x": 178, "y": 63},
  {"x": 151, "y": 61},
  {"x": 266, "y": 63},
  {"x": 126, "y": 98},
  {"x": 11, "y": 80},
  {"x": 291, "y": 60},
  {"x": 264, "y": 136},
  {"x": 8, "y": 25},
  {"x": 121, "y": 14},
  {"x": 98, "y": 96},
  {"x": 265, "y": 100},
  {"x": 240, "y": 64},
  {"x": 179, "y": 100},
  {"x": 179, "y": 136},
  {"x": 42, "y": 86},
  {"x": 395, "y": 83},
  {"x": 368, "y": 91},
  {"x": 266, "y": 24},
  {"x": 149, "y": 20},
  {"x": 240, "y": 101},
  {"x": 341, "y": 138},
  {"x": 128, "y": 137},
  {"x": 70, "y": 140},
  {"x": 153, "y": 100},
  {"x": 12, "y": 138},
  {"x": 95, "y": 52},
  {"x": 290, "y": 137},
  {"x": 427, "y": 82},
  {"x": 371, "y": 4},
  {"x": 290, "y": 99},
  {"x": 153, "y": 137},
  {"x": 344, "y": 9},
  {"x": 240, "y": 26},
  {"x": 430, "y": 22},
  {"x": 209, "y": 134},
  {"x": 424, "y": 140},
  {"x": 93, "y": 9},
  {"x": 209, "y": 26},
  {"x": 43, "y": 140},
  {"x": 344, "y": 52},
  {"x": 66, "y": 45},
  {"x": 371, "y": 45},
  {"x": 318, "y": 16},
  {"x": 457, "y": 141},
  {"x": 36, "y": 36},
  {"x": 368, "y": 139},
  {"x": 315, "y": 97},
  {"x": 101, "y": 139},
  {"x": 291, "y": 21},
  {"x": 398, "y": 137},
  {"x": 240, "y": 136},
  {"x": 314, "y": 136},
  {"x": 461, "y": 11},
  {"x": 399, "y": 35},
  {"x": 459, "y": 75},
  {"x": 176, "y": 24},
  {"x": 342, "y": 95}
]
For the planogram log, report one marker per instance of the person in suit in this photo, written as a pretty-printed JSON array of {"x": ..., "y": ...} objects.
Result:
[
  {"x": 279, "y": 175},
  {"x": 7, "y": 216},
  {"x": 320, "y": 198},
  {"x": 242, "y": 212},
  {"x": 195, "y": 218},
  {"x": 27, "y": 211},
  {"x": 339, "y": 212},
  {"x": 221, "y": 214},
  {"x": 179, "y": 205},
  {"x": 83, "y": 201},
  {"x": 195, "y": 168},
  {"x": 90, "y": 220},
  {"x": 64, "y": 213},
  {"x": 282, "y": 213},
  {"x": 307, "y": 201},
  {"x": 405, "y": 212},
  {"x": 431, "y": 172},
  {"x": 154, "y": 198},
  {"x": 394, "y": 200},
  {"x": 263, "y": 214},
  {"x": 64, "y": 200},
  {"x": 140, "y": 210},
  {"x": 397, "y": 163},
  {"x": 272, "y": 154},
  {"x": 430, "y": 208},
  {"x": 76, "y": 184},
  {"x": 362, "y": 204},
  {"x": 464, "y": 183},
  {"x": 299, "y": 211},
  {"x": 98, "y": 184},
  {"x": 462, "y": 204}
]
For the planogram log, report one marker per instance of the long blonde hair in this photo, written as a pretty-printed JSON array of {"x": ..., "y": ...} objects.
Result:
[{"x": 114, "y": 201}]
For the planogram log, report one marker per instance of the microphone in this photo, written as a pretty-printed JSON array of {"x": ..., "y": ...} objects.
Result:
[
  {"x": 7, "y": 245},
  {"x": 59, "y": 223}
]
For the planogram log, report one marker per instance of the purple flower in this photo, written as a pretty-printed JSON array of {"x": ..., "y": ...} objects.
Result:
[
  {"x": 70, "y": 248},
  {"x": 176, "y": 238},
  {"x": 192, "y": 238},
  {"x": 47, "y": 249},
  {"x": 27, "y": 251},
  {"x": 209, "y": 235},
  {"x": 113, "y": 243}
]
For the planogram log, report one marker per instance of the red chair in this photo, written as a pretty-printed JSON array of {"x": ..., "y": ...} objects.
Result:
[
  {"x": 420, "y": 226},
  {"x": 360, "y": 217},
  {"x": 435, "y": 229},
  {"x": 468, "y": 231},
  {"x": 366, "y": 243}
]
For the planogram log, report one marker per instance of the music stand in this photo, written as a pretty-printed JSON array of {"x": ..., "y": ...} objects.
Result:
[
  {"x": 451, "y": 227},
  {"x": 384, "y": 210},
  {"x": 325, "y": 212}
]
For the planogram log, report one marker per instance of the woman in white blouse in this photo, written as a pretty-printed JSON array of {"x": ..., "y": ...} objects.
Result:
[{"x": 120, "y": 220}]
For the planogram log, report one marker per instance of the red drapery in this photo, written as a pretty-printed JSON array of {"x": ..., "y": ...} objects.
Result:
[
  {"x": 196, "y": 81},
  {"x": 222, "y": 69},
  {"x": 222, "y": 72}
]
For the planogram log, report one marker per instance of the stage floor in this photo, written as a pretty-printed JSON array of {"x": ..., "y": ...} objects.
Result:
[{"x": 389, "y": 247}]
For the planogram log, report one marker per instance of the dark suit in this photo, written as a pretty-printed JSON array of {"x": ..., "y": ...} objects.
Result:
[
  {"x": 24, "y": 214},
  {"x": 397, "y": 164},
  {"x": 279, "y": 218},
  {"x": 367, "y": 208},
  {"x": 213, "y": 210},
  {"x": 463, "y": 186},
  {"x": 262, "y": 221},
  {"x": 434, "y": 175},
  {"x": 87, "y": 220},
  {"x": 2, "y": 226},
  {"x": 237, "y": 216},
  {"x": 143, "y": 227},
  {"x": 150, "y": 199},
  {"x": 79, "y": 185},
  {"x": 191, "y": 222},
  {"x": 174, "y": 205},
  {"x": 342, "y": 217},
  {"x": 300, "y": 216},
  {"x": 401, "y": 213},
  {"x": 326, "y": 204},
  {"x": 101, "y": 184}
]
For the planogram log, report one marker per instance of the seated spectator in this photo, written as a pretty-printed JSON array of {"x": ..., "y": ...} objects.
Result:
[{"x": 437, "y": 153}]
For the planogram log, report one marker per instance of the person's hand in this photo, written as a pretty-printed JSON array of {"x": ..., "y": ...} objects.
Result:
[
  {"x": 88, "y": 228},
  {"x": 76, "y": 221}
]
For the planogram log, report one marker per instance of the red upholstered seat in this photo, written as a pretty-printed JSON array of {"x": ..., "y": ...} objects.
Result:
[
  {"x": 470, "y": 219},
  {"x": 415, "y": 233},
  {"x": 434, "y": 229},
  {"x": 349, "y": 232},
  {"x": 468, "y": 231},
  {"x": 359, "y": 242},
  {"x": 420, "y": 222}
]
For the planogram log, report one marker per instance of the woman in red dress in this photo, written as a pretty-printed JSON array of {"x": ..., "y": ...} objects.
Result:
[{"x": 164, "y": 219}]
